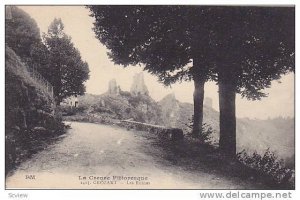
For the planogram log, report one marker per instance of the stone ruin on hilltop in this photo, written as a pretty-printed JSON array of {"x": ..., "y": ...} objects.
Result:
[
  {"x": 113, "y": 88},
  {"x": 138, "y": 86}
]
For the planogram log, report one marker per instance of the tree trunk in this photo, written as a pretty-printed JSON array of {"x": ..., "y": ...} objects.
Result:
[
  {"x": 198, "y": 106},
  {"x": 200, "y": 72},
  {"x": 227, "y": 119}
]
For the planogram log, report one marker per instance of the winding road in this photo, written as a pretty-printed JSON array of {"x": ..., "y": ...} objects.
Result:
[{"x": 93, "y": 156}]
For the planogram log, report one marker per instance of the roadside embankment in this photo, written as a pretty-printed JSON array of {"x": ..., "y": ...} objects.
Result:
[{"x": 30, "y": 118}]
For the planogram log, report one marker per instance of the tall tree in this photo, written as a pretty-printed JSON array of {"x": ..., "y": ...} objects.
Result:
[
  {"x": 21, "y": 33},
  {"x": 247, "y": 47},
  {"x": 163, "y": 38},
  {"x": 67, "y": 72},
  {"x": 252, "y": 47}
]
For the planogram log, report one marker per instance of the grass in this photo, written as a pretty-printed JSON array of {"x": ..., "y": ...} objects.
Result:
[{"x": 269, "y": 165}]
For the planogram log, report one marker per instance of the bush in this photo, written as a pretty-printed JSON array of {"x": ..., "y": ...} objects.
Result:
[
  {"x": 101, "y": 109},
  {"x": 206, "y": 136},
  {"x": 69, "y": 110},
  {"x": 269, "y": 165}
]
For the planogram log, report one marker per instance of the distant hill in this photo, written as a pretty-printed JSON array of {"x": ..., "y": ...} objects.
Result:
[{"x": 277, "y": 133}]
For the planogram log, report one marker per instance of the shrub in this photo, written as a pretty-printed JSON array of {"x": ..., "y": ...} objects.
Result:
[
  {"x": 206, "y": 135},
  {"x": 101, "y": 109},
  {"x": 135, "y": 100},
  {"x": 268, "y": 164},
  {"x": 69, "y": 110}
]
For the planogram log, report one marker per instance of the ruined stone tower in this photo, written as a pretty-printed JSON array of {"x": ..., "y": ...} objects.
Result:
[
  {"x": 113, "y": 88},
  {"x": 138, "y": 86}
]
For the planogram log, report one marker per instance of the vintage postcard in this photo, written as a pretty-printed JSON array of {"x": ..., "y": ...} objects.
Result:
[{"x": 149, "y": 97}]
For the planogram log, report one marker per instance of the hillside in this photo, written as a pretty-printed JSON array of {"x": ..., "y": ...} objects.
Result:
[
  {"x": 276, "y": 134},
  {"x": 140, "y": 108},
  {"x": 30, "y": 120},
  {"x": 116, "y": 104},
  {"x": 113, "y": 107}
]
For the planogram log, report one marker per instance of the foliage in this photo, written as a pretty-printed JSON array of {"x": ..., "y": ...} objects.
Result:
[
  {"x": 55, "y": 58},
  {"x": 206, "y": 136},
  {"x": 267, "y": 164},
  {"x": 165, "y": 39},
  {"x": 21, "y": 33},
  {"x": 40, "y": 60},
  {"x": 67, "y": 71},
  {"x": 135, "y": 100},
  {"x": 252, "y": 46},
  {"x": 100, "y": 109},
  {"x": 70, "y": 110},
  {"x": 242, "y": 48},
  {"x": 14, "y": 65}
]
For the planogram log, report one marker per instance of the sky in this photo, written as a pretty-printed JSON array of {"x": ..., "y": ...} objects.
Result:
[{"x": 78, "y": 25}]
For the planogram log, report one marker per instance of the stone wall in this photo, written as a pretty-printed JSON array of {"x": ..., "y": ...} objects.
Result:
[{"x": 162, "y": 132}]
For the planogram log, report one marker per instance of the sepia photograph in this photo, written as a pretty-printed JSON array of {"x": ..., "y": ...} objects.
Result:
[{"x": 150, "y": 97}]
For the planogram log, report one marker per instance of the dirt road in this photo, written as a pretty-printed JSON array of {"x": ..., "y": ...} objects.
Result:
[{"x": 93, "y": 156}]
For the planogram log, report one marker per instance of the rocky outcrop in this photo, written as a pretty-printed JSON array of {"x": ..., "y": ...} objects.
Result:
[
  {"x": 141, "y": 108},
  {"x": 138, "y": 86},
  {"x": 170, "y": 110}
]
